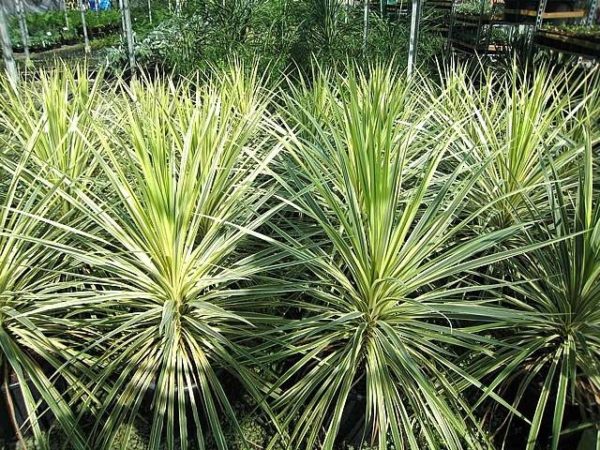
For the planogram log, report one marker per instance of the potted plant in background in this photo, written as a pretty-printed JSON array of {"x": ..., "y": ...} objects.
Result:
[{"x": 34, "y": 348}]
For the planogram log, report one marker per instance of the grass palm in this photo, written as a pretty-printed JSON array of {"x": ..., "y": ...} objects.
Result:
[
  {"x": 35, "y": 348},
  {"x": 150, "y": 231},
  {"x": 384, "y": 258},
  {"x": 185, "y": 189},
  {"x": 53, "y": 115},
  {"x": 515, "y": 123},
  {"x": 557, "y": 291}
]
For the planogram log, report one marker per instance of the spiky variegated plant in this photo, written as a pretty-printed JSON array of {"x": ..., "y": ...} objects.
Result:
[
  {"x": 185, "y": 166},
  {"x": 138, "y": 216},
  {"x": 384, "y": 255},
  {"x": 36, "y": 339},
  {"x": 557, "y": 290},
  {"x": 53, "y": 115},
  {"x": 514, "y": 123}
]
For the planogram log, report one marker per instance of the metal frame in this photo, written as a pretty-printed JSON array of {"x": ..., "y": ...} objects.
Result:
[
  {"x": 483, "y": 37},
  {"x": 539, "y": 19},
  {"x": 415, "y": 23},
  {"x": 589, "y": 21},
  {"x": 540, "y": 15}
]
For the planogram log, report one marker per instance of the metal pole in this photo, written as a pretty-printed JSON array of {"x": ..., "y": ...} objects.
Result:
[
  {"x": 86, "y": 38},
  {"x": 451, "y": 27},
  {"x": 589, "y": 21},
  {"x": 7, "y": 52},
  {"x": 126, "y": 12},
  {"x": 23, "y": 28},
  {"x": 63, "y": 6},
  {"x": 122, "y": 19},
  {"x": 415, "y": 20},
  {"x": 365, "y": 26},
  {"x": 539, "y": 18},
  {"x": 480, "y": 23}
]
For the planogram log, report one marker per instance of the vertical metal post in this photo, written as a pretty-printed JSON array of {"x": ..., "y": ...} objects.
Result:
[
  {"x": 539, "y": 19},
  {"x": 589, "y": 20},
  {"x": 415, "y": 20},
  {"x": 63, "y": 7},
  {"x": 122, "y": 19},
  {"x": 365, "y": 26},
  {"x": 480, "y": 23},
  {"x": 23, "y": 28},
  {"x": 489, "y": 19},
  {"x": 126, "y": 12},
  {"x": 451, "y": 27},
  {"x": 86, "y": 38},
  {"x": 7, "y": 52}
]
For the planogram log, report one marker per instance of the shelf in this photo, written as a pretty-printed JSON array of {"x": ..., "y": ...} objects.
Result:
[
  {"x": 390, "y": 7},
  {"x": 569, "y": 43},
  {"x": 571, "y": 52},
  {"x": 478, "y": 48},
  {"x": 475, "y": 19},
  {"x": 577, "y": 14},
  {"x": 441, "y": 4}
]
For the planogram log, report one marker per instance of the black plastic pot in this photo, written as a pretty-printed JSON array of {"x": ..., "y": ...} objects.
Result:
[
  {"x": 352, "y": 427},
  {"x": 7, "y": 429}
]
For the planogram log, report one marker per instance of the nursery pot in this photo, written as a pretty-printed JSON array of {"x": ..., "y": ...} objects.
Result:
[
  {"x": 19, "y": 415},
  {"x": 352, "y": 426},
  {"x": 7, "y": 423}
]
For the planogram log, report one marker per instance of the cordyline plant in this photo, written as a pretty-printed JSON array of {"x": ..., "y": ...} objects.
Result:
[
  {"x": 384, "y": 259},
  {"x": 37, "y": 338},
  {"x": 513, "y": 123},
  {"x": 185, "y": 168},
  {"x": 556, "y": 351},
  {"x": 53, "y": 115},
  {"x": 400, "y": 254}
]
